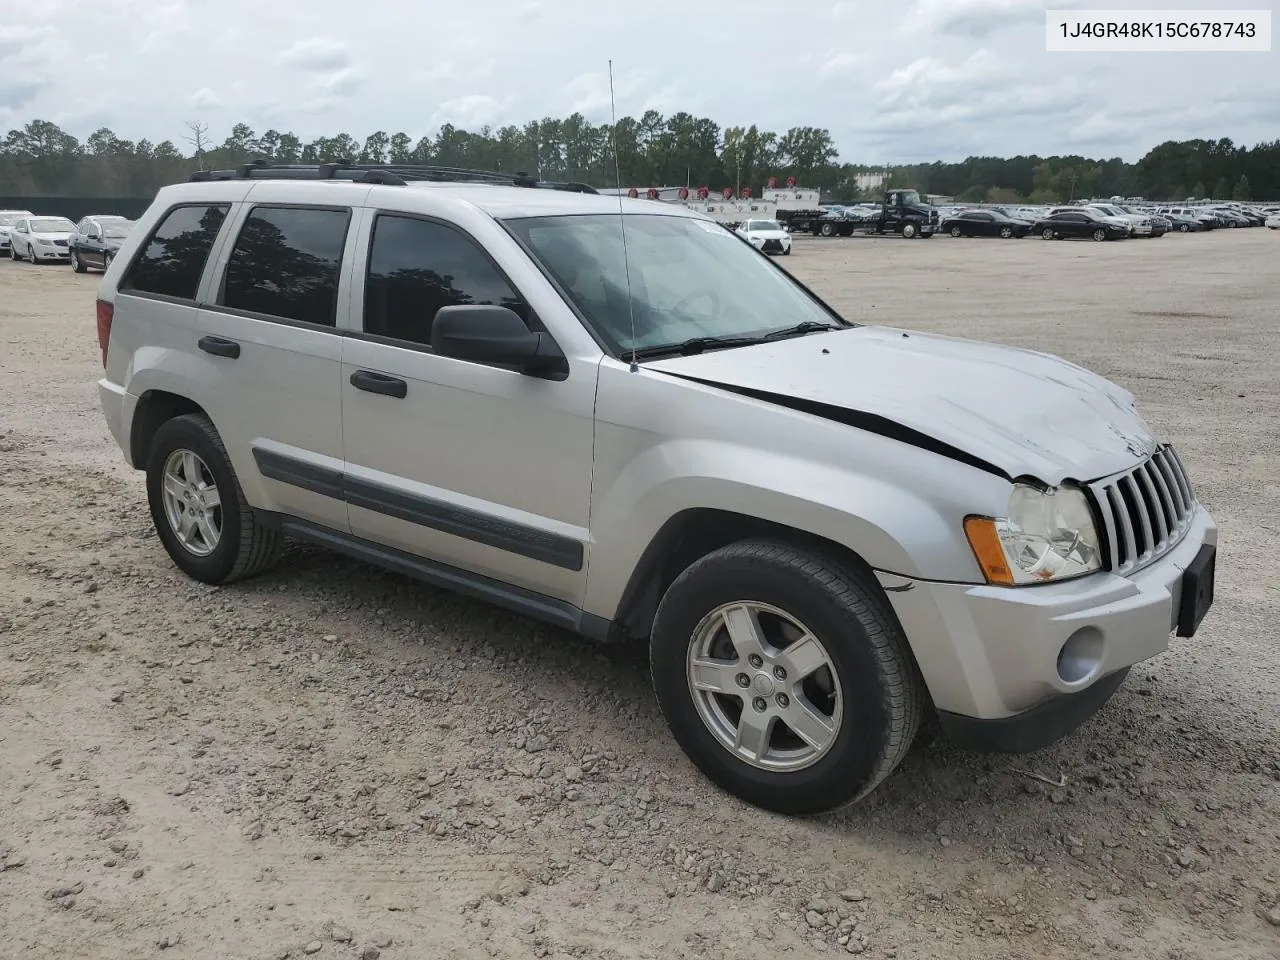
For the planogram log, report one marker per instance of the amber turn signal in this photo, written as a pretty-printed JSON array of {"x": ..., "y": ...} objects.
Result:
[{"x": 985, "y": 541}]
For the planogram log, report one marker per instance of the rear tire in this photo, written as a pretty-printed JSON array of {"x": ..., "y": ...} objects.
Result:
[
  {"x": 1006, "y": 232},
  {"x": 827, "y": 230},
  {"x": 957, "y": 232},
  {"x": 1046, "y": 233},
  {"x": 833, "y": 659},
  {"x": 1184, "y": 228},
  {"x": 241, "y": 545}
]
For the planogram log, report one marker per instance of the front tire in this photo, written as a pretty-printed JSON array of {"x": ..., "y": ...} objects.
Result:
[
  {"x": 199, "y": 511},
  {"x": 957, "y": 232},
  {"x": 909, "y": 230},
  {"x": 1006, "y": 232},
  {"x": 831, "y": 701},
  {"x": 76, "y": 263},
  {"x": 1099, "y": 235},
  {"x": 1047, "y": 233}
]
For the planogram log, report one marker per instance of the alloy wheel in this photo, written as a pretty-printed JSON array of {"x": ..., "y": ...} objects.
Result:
[{"x": 765, "y": 686}]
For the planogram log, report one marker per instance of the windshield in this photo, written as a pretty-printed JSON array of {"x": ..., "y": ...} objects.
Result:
[
  {"x": 910, "y": 198},
  {"x": 116, "y": 229},
  {"x": 52, "y": 225},
  {"x": 9, "y": 219},
  {"x": 689, "y": 278},
  {"x": 763, "y": 225}
]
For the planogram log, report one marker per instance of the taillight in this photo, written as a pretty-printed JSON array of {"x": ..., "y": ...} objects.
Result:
[{"x": 106, "y": 313}]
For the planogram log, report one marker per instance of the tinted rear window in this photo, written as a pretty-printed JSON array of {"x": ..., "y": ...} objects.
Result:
[
  {"x": 174, "y": 257},
  {"x": 285, "y": 264}
]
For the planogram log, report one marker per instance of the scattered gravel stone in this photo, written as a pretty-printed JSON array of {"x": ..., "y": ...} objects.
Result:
[
  {"x": 853, "y": 895},
  {"x": 341, "y": 935},
  {"x": 370, "y": 953},
  {"x": 1273, "y": 916},
  {"x": 169, "y": 940},
  {"x": 314, "y": 946},
  {"x": 381, "y": 940}
]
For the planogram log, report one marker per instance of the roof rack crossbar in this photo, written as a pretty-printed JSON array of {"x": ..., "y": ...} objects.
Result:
[{"x": 391, "y": 174}]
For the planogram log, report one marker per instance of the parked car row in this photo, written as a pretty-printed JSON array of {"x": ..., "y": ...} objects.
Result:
[
  {"x": 91, "y": 243},
  {"x": 1099, "y": 221}
]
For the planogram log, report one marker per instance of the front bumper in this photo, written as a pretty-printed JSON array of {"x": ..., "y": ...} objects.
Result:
[
  {"x": 991, "y": 653},
  {"x": 50, "y": 253}
]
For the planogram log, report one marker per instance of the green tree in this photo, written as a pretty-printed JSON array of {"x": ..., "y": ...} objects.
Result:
[
  {"x": 1241, "y": 191},
  {"x": 1222, "y": 190},
  {"x": 1198, "y": 190}
]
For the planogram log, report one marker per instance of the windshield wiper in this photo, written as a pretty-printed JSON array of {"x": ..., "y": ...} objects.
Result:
[
  {"x": 808, "y": 326},
  {"x": 698, "y": 344},
  {"x": 693, "y": 345}
]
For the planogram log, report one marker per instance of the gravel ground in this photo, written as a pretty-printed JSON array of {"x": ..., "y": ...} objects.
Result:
[{"x": 338, "y": 762}]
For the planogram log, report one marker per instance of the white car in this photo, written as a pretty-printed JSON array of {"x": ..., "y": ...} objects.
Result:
[
  {"x": 1139, "y": 224},
  {"x": 41, "y": 238},
  {"x": 767, "y": 236},
  {"x": 7, "y": 219},
  {"x": 1273, "y": 221}
]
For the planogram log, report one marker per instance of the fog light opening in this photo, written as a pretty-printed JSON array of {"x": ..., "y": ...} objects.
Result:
[{"x": 1080, "y": 658}]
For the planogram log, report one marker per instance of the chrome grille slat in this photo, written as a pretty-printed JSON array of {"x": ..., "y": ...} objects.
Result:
[
  {"x": 1159, "y": 520},
  {"x": 1145, "y": 511}
]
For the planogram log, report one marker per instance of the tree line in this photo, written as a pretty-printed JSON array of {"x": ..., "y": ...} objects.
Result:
[{"x": 42, "y": 160}]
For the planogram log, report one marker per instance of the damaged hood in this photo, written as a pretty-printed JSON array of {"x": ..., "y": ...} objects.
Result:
[{"x": 1017, "y": 411}]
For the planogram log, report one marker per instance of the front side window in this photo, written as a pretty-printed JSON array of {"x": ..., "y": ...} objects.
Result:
[
  {"x": 688, "y": 278},
  {"x": 286, "y": 262},
  {"x": 418, "y": 266},
  {"x": 171, "y": 263}
]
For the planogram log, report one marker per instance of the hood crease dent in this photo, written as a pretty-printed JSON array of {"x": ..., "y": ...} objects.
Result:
[{"x": 1008, "y": 411}]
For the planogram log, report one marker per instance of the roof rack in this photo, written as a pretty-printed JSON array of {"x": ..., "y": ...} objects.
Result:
[{"x": 388, "y": 174}]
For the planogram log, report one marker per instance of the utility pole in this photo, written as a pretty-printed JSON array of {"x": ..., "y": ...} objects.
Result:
[{"x": 1073, "y": 188}]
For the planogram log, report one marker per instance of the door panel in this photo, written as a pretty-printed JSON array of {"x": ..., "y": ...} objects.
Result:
[
  {"x": 281, "y": 410},
  {"x": 483, "y": 468},
  {"x": 477, "y": 466},
  {"x": 273, "y": 334}
]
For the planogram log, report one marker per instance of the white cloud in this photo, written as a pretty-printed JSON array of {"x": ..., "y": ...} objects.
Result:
[
  {"x": 459, "y": 70},
  {"x": 339, "y": 83},
  {"x": 471, "y": 111},
  {"x": 971, "y": 76},
  {"x": 977, "y": 18},
  {"x": 588, "y": 93},
  {"x": 205, "y": 99},
  {"x": 840, "y": 64},
  {"x": 316, "y": 53}
]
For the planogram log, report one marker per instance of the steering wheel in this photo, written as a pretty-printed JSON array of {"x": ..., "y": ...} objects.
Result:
[{"x": 705, "y": 292}]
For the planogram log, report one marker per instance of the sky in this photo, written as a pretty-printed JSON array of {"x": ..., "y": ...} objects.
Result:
[{"x": 895, "y": 81}]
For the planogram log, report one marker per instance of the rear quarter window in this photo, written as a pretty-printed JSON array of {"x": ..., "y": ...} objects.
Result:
[{"x": 173, "y": 258}]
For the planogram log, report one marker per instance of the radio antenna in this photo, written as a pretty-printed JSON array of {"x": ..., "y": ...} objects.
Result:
[{"x": 622, "y": 220}]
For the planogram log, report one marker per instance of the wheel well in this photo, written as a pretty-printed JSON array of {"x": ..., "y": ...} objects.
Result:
[
  {"x": 691, "y": 535},
  {"x": 155, "y": 407}
]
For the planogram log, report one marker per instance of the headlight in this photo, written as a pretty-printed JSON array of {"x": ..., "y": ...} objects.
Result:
[{"x": 1046, "y": 535}]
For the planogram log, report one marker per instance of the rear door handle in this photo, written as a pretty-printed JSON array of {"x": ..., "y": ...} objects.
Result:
[
  {"x": 219, "y": 347},
  {"x": 371, "y": 382}
]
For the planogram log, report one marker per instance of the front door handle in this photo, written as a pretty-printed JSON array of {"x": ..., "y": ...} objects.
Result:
[
  {"x": 371, "y": 382},
  {"x": 219, "y": 347}
]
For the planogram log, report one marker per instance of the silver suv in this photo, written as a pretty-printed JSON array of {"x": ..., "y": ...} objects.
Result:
[{"x": 624, "y": 420}]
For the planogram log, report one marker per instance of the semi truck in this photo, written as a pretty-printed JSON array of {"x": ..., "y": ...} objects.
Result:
[{"x": 900, "y": 211}]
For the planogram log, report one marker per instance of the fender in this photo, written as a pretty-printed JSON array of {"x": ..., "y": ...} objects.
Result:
[{"x": 891, "y": 527}]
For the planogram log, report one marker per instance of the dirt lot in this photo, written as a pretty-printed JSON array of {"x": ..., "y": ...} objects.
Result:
[{"x": 331, "y": 760}]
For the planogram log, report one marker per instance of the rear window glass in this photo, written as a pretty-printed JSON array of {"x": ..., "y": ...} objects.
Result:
[{"x": 171, "y": 263}]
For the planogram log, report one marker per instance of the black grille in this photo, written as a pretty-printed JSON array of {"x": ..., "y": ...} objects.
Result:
[{"x": 772, "y": 246}]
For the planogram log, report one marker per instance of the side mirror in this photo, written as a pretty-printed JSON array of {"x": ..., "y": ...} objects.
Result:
[{"x": 491, "y": 334}]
